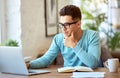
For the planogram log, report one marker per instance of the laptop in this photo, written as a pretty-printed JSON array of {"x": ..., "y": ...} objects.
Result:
[{"x": 12, "y": 61}]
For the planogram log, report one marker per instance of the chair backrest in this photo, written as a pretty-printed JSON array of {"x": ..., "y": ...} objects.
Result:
[
  {"x": 105, "y": 54},
  {"x": 59, "y": 59}
]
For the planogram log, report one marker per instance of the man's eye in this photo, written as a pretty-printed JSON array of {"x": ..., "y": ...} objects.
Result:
[{"x": 66, "y": 24}]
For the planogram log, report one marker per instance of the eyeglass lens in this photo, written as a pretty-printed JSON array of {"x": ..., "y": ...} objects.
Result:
[{"x": 66, "y": 25}]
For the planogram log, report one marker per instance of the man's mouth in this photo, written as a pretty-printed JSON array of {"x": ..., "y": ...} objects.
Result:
[{"x": 67, "y": 34}]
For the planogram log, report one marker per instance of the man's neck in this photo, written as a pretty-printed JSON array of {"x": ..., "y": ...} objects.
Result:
[{"x": 78, "y": 35}]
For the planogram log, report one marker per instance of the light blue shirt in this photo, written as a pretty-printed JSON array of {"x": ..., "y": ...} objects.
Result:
[{"x": 85, "y": 53}]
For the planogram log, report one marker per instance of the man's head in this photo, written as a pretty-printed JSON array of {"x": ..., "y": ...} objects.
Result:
[
  {"x": 70, "y": 19},
  {"x": 72, "y": 11}
]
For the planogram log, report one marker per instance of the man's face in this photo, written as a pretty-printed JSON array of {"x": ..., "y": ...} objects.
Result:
[{"x": 68, "y": 25}]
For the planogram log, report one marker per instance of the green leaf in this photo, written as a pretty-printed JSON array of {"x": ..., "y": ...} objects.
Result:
[{"x": 10, "y": 42}]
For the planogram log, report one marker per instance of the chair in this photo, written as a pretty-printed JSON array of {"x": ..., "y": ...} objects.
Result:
[{"x": 105, "y": 54}]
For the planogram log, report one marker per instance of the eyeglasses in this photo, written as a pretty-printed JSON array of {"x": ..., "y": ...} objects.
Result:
[{"x": 66, "y": 25}]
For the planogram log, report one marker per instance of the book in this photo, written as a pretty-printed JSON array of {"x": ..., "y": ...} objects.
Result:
[
  {"x": 88, "y": 75},
  {"x": 76, "y": 68}
]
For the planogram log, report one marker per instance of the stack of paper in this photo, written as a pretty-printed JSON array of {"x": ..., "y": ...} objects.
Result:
[
  {"x": 88, "y": 75},
  {"x": 27, "y": 58}
]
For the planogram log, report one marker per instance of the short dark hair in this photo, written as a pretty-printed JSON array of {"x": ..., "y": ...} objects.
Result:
[{"x": 71, "y": 10}]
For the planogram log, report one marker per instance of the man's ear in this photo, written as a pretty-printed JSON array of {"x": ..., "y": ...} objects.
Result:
[{"x": 79, "y": 24}]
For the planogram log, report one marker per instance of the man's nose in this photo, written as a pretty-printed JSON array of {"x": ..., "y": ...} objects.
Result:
[{"x": 63, "y": 28}]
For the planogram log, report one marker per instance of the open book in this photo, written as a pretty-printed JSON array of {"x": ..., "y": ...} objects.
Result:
[{"x": 76, "y": 68}]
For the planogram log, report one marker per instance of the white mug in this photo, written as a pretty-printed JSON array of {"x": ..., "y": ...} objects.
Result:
[{"x": 112, "y": 64}]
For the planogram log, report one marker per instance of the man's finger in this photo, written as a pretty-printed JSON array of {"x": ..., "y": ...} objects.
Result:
[
  {"x": 65, "y": 36},
  {"x": 72, "y": 34}
]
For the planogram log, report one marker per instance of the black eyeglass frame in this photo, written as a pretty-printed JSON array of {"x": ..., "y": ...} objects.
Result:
[{"x": 66, "y": 25}]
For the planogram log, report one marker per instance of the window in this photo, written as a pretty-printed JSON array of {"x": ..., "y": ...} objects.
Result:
[
  {"x": 13, "y": 17},
  {"x": 2, "y": 21},
  {"x": 10, "y": 29}
]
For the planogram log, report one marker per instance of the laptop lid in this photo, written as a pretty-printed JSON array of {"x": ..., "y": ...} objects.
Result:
[{"x": 12, "y": 61}]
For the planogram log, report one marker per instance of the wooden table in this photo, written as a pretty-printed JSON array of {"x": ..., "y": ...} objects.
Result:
[{"x": 55, "y": 74}]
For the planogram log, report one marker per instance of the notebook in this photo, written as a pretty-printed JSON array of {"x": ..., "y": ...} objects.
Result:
[
  {"x": 88, "y": 75},
  {"x": 12, "y": 61}
]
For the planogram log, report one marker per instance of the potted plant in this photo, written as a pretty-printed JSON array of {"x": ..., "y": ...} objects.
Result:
[
  {"x": 10, "y": 42},
  {"x": 113, "y": 43}
]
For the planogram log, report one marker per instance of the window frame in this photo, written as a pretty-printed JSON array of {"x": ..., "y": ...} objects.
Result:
[{"x": 2, "y": 21}]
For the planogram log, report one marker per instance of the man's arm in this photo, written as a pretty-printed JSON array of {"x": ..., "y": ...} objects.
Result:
[
  {"x": 91, "y": 57},
  {"x": 48, "y": 57}
]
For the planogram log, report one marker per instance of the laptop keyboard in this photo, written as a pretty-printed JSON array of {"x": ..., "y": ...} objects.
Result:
[{"x": 38, "y": 71}]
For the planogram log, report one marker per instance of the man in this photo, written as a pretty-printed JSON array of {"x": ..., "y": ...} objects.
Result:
[{"x": 78, "y": 47}]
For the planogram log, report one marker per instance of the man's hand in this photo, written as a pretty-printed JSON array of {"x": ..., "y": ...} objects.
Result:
[
  {"x": 28, "y": 65},
  {"x": 69, "y": 41}
]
